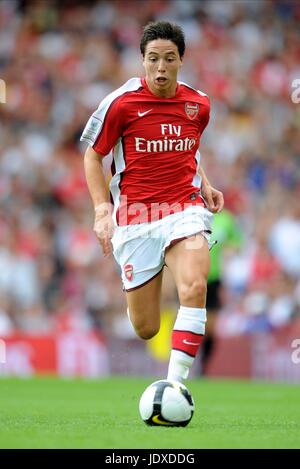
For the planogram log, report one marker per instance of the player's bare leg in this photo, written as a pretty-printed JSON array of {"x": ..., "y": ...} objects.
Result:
[
  {"x": 144, "y": 307},
  {"x": 189, "y": 263}
]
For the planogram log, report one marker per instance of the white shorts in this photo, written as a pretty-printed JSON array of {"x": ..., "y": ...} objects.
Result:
[{"x": 140, "y": 249}]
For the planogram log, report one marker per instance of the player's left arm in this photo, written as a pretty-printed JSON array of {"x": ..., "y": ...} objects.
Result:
[{"x": 214, "y": 199}]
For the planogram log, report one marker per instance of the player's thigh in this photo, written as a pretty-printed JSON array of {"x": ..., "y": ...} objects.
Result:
[
  {"x": 189, "y": 260},
  {"x": 144, "y": 302}
]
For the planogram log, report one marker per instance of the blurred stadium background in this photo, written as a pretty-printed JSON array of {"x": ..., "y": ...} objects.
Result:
[{"x": 62, "y": 309}]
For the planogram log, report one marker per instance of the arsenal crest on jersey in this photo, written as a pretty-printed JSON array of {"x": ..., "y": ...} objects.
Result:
[
  {"x": 191, "y": 110},
  {"x": 128, "y": 271}
]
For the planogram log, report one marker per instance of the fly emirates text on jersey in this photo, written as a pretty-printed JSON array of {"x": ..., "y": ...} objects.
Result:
[{"x": 165, "y": 144}]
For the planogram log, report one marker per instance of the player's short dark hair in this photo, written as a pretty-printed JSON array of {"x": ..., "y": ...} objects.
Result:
[{"x": 163, "y": 30}]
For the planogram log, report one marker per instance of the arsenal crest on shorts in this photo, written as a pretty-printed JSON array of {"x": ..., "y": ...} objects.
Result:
[
  {"x": 191, "y": 110},
  {"x": 128, "y": 271}
]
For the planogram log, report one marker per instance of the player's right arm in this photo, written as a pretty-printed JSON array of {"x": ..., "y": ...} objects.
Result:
[
  {"x": 96, "y": 182},
  {"x": 102, "y": 131}
]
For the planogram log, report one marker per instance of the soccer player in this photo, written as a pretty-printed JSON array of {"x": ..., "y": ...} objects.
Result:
[{"x": 162, "y": 200}]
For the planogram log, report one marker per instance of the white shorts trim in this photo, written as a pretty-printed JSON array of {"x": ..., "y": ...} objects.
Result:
[{"x": 141, "y": 248}]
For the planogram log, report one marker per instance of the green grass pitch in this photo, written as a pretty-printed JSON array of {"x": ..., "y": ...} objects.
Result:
[{"x": 77, "y": 413}]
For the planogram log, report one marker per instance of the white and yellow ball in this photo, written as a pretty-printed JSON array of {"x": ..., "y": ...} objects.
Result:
[{"x": 167, "y": 403}]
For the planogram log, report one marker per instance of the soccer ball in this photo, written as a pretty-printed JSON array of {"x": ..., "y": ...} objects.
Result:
[{"x": 166, "y": 403}]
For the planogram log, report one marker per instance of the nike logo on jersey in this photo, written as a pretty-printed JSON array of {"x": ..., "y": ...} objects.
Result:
[
  {"x": 187, "y": 342},
  {"x": 141, "y": 114}
]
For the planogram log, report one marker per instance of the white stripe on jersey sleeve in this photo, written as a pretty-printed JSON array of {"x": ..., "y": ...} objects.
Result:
[
  {"x": 94, "y": 124},
  {"x": 114, "y": 185},
  {"x": 188, "y": 86},
  {"x": 197, "y": 178}
]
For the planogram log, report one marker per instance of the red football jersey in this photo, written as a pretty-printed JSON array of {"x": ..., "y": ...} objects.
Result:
[{"x": 154, "y": 143}]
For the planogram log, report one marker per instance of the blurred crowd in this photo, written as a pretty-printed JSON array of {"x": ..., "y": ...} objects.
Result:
[{"x": 59, "y": 59}]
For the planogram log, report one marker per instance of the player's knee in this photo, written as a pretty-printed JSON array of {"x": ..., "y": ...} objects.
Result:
[
  {"x": 193, "y": 290},
  {"x": 146, "y": 331}
]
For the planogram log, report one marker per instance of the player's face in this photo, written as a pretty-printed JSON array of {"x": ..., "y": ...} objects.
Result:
[{"x": 162, "y": 63}]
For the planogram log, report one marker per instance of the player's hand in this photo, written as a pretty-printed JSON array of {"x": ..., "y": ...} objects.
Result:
[
  {"x": 104, "y": 228},
  {"x": 213, "y": 198}
]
